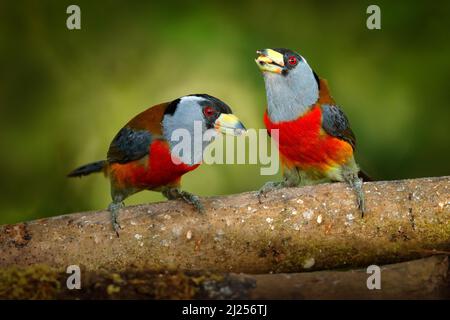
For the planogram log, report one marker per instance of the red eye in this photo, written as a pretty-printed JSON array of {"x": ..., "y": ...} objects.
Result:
[
  {"x": 209, "y": 111},
  {"x": 292, "y": 60}
]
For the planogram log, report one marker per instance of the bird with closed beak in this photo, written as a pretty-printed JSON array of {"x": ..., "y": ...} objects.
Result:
[
  {"x": 315, "y": 141},
  {"x": 143, "y": 155}
]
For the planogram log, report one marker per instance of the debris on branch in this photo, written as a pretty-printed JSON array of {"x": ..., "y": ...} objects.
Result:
[{"x": 293, "y": 230}]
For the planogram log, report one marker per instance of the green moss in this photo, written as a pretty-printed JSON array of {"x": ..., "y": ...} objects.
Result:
[
  {"x": 34, "y": 282},
  {"x": 177, "y": 286},
  {"x": 112, "y": 289},
  {"x": 43, "y": 282},
  {"x": 182, "y": 285}
]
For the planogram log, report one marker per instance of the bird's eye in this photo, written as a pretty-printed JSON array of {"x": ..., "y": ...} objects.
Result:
[
  {"x": 292, "y": 60},
  {"x": 208, "y": 111}
]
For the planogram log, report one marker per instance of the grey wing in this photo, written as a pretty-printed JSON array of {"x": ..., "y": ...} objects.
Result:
[
  {"x": 129, "y": 145},
  {"x": 336, "y": 124}
]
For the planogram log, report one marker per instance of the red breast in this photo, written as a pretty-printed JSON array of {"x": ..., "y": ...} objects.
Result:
[
  {"x": 152, "y": 171},
  {"x": 303, "y": 142}
]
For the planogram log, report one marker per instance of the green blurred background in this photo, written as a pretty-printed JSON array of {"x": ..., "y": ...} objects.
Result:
[{"x": 64, "y": 94}]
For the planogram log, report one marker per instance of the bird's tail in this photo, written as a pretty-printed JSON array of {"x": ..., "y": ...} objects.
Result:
[
  {"x": 364, "y": 176},
  {"x": 89, "y": 168}
]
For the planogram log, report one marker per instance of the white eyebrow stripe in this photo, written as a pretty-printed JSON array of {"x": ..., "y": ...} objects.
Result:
[{"x": 191, "y": 99}]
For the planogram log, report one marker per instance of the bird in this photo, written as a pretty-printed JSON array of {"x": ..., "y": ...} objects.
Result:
[
  {"x": 145, "y": 155},
  {"x": 315, "y": 141}
]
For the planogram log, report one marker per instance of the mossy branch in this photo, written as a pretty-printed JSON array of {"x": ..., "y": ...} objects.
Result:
[
  {"x": 296, "y": 229},
  {"x": 418, "y": 279}
]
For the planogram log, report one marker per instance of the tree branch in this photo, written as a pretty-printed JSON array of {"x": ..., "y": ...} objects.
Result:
[
  {"x": 418, "y": 279},
  {"x": 296, "y": 229}
]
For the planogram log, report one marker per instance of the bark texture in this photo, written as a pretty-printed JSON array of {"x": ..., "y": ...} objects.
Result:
[{"x": 293, "y": 230}]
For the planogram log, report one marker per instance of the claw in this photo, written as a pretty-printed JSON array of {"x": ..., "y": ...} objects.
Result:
[
  {"x": 361, "y": 205},
  {"x": 357, "y": 184},
  {"x": 174, "y": 193},
  {"x": 114, "y": 208},
  {"x": 194, "y": 200},
  {"x": 116, "y": 227},
  {"x": 261, "y": 193},
  {"x": 268, "y": 187}
]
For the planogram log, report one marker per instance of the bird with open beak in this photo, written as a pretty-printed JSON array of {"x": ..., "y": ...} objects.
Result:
[
  {"x": 315, "y": 141},
  {"x": 141, "y": 155}
]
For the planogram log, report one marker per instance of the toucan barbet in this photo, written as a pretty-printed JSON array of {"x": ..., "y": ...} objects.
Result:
[
  {"x": 315, "y": 141},
  {"x": 140, "y": 155}
]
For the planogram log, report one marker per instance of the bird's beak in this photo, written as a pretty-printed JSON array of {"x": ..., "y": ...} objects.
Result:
[
  {"x": 229, "y": 124},
  {"x": 270, "y": 60}
]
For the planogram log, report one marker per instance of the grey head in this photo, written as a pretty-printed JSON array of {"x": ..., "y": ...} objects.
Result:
[
  {"x": 292, "y": 87},
  {"x": 190, "y": 117}
]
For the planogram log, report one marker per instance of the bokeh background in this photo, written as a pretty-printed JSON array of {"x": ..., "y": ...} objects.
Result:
[{"x": 64, "y": 94}]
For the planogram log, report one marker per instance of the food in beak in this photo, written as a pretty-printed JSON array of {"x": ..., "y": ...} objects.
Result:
[
  {"x": 229, "y": 124},
  {"x": 270, "y": 60}
]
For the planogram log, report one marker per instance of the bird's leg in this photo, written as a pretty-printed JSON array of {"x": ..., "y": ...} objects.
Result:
[
  {"x": 114, "y": 207},
  {"x": 176, "y": 193},
  {"x": 270, "y": 186},
  {"x": 356, "y": 183},
  {"x": 291, "y": 179},
  {"x": 350, "y": 175}
]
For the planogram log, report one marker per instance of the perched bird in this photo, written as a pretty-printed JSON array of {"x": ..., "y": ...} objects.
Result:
[
  {"x": 142, "y": 155},
  {"x": 315, "y": 141}
]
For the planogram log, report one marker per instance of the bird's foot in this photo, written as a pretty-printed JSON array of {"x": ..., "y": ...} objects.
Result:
[
  {"x": 270, "y": 186},
  {"x": 193, "y": 200},
  {"x": 357, "y": 184},
  {"x": 114, "y": 208},
  {"x": 175, "y": 193}
]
